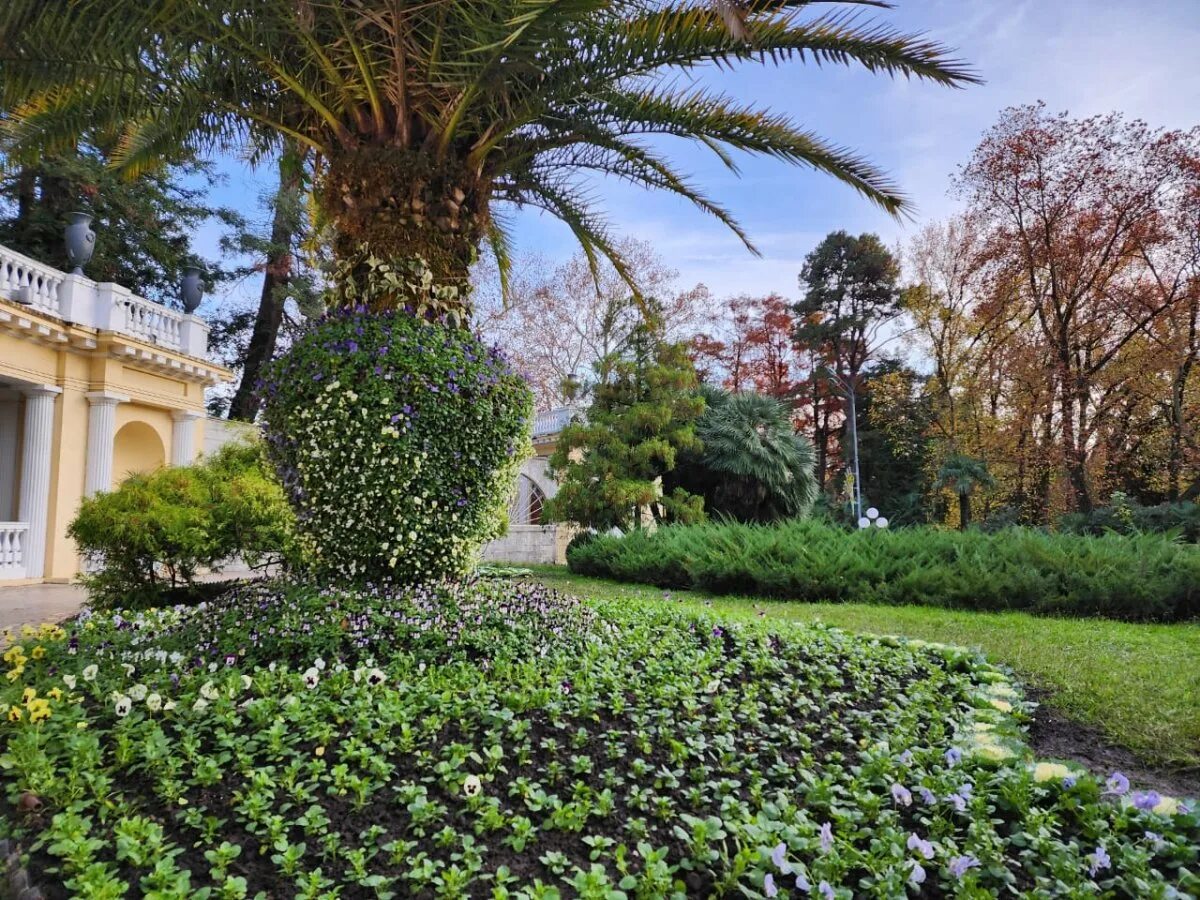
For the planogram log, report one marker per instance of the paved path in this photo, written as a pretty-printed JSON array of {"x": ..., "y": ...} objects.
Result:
[{"x": 32, "y": 604}]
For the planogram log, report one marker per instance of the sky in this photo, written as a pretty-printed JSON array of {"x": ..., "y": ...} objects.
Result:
[{"x": 1085, "y": 57}]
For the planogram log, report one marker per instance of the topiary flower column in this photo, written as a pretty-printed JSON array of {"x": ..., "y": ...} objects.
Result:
[{"x": 397, "y": 439}]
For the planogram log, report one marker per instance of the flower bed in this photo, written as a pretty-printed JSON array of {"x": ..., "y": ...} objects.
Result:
[{"x": 501, "y": 740}]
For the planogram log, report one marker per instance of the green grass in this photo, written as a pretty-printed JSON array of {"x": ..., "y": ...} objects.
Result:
[{"x": 1140, "y": 684}]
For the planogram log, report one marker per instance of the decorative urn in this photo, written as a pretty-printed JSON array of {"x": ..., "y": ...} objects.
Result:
[
  {"x": 192, "y": 288},
  {"x": 80, "y": 241}
]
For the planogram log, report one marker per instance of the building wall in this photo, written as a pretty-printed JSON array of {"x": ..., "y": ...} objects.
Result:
[
  {"x": 530, "y": 544},
  {"x": 153, "y": 383}
]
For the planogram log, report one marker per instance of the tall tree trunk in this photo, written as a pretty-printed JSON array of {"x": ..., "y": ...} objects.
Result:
[
  {"x": 277, "y": 275},
  {"x": 964, "y": 511},
  {"x": 26, "y": 195},
  {"x": 400, "y": 204}
]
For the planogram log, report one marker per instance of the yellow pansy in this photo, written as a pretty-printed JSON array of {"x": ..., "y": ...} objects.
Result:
[
  {"x": 993, "y": 752},
  {"x": 1167, "y": 806},
  {"x": 14, "y": 714},
  {"x": 27, "y": 695},
  {"x": 38, "y": 652},
  {"x": 13, "y": 652},
  {"x": 1045, "y": 771},
  {"x": 14, "y": 674},
  {"x": 38, "y": 710},
  {"x": 55, "y": 693}
]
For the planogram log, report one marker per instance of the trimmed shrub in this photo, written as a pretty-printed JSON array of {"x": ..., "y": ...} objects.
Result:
[
  {"x": 1146, "y": 578},
  {"x": 397, "y": 440},
  {"x": 1124, "y": 516},
  {"x": 146, "y": 541}
]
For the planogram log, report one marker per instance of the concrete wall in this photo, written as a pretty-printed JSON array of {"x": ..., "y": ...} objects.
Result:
[
  {"x": 525, "y": 544},
  {"x": 219, "y": 432}
]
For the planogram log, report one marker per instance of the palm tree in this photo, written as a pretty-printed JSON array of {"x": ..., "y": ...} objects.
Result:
[
  {"x": 962, "y": 474},
  {"x": 753, "y": 466},
  {"x": 424, "y": 115}
]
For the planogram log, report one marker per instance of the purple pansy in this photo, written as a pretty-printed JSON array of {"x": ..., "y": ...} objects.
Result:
[
  {"x": 920, "y": 845},
  {"x": 779, "y": 858},
  {"x": 1098, "y": 860},
  {"x": 1117, "y": 784},
  {"x": 826, "y": 835},
  {"x": 1146, "y": 800},
  {"x": 960, "y": 864}
]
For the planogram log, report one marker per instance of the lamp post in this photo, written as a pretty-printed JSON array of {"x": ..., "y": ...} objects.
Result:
[{"x": 848, "y": 388}]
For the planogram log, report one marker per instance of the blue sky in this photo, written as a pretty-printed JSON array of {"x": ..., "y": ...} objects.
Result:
[{"x": 1082, "y": 56}]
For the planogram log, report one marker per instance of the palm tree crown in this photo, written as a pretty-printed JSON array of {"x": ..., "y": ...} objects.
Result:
[
  {"x": 424, "y": 113},
  {"x": 962, "y": 474},
  {"x": 753, "y": 466}
]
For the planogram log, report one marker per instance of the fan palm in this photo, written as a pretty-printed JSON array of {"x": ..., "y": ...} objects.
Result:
[
  {"x": 962, "y": 474},
  {"x": 425, "y": 114},
  {"x": 753, "y": 466}
]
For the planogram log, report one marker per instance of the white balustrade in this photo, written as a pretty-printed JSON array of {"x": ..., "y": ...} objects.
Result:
[
  {"x": 554, "y": 420},
  {"x": 152, "y": 323},
  {"x": 29, "y": 282},
  {"x": 12, "y": 549},
  {"x": 106, "y": 307}
]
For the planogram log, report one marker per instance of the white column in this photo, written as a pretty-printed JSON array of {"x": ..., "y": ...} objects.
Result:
[
  {"x": 35, "y": 474},
  {"x": 9, "y": 428},
  {"x": 102, "y": 430},
  {"x": 183, "y": 437}
]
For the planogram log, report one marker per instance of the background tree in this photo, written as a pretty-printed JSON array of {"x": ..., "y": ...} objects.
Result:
[
  {"x": 1072, "y": 211},
  {"x": 556, "y": 323},
  {"x": 642, "y": 416},
  {"x": 962, "y": 475},
  {"x": 284, "y": 276},
  {"x": 752, "y": 466},
  {"x": 895, "y": 443},
  {"x": 851, "y": 295},
  {"x": 144, "y": 228}
]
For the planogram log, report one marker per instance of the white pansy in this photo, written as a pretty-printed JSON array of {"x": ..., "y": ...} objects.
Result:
[
  {"x": 154, "y": 702},
  {"x": 122, "y": 705}
]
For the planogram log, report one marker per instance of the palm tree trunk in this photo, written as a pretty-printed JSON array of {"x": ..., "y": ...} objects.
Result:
[
  {"x": 277, "y": 274},
  {"x": 399, "y": 204},
  {"x": 964, "y": 511}
]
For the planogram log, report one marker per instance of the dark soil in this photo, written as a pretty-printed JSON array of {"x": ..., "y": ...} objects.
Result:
[{"x": 1055, "y": 736}]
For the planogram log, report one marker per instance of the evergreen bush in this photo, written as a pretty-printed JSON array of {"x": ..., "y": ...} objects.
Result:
[
  {"x": 146, "y": 541},
  {"x": 1143, "y": 577}
]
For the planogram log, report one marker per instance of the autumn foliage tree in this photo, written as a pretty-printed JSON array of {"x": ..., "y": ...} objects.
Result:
[{"x": 1081, "y": 261}]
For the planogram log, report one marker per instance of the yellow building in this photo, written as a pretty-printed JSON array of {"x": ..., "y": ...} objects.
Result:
[{"x": 95, "y": 384}]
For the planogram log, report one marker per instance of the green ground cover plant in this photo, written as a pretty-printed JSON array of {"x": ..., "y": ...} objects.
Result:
[
  {"x": 1138, "y": 683},
  {"x": 1137, "y": 578},
  {"x": 499, "y": 739}
]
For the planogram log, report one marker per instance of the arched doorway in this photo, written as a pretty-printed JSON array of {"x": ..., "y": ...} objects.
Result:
[
  {"x": 137, "y": 448},
  {"x": 527, "y": 502}
]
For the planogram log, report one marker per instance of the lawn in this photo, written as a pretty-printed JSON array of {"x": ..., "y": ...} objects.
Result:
[{"x": 1139, "y": 684}]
